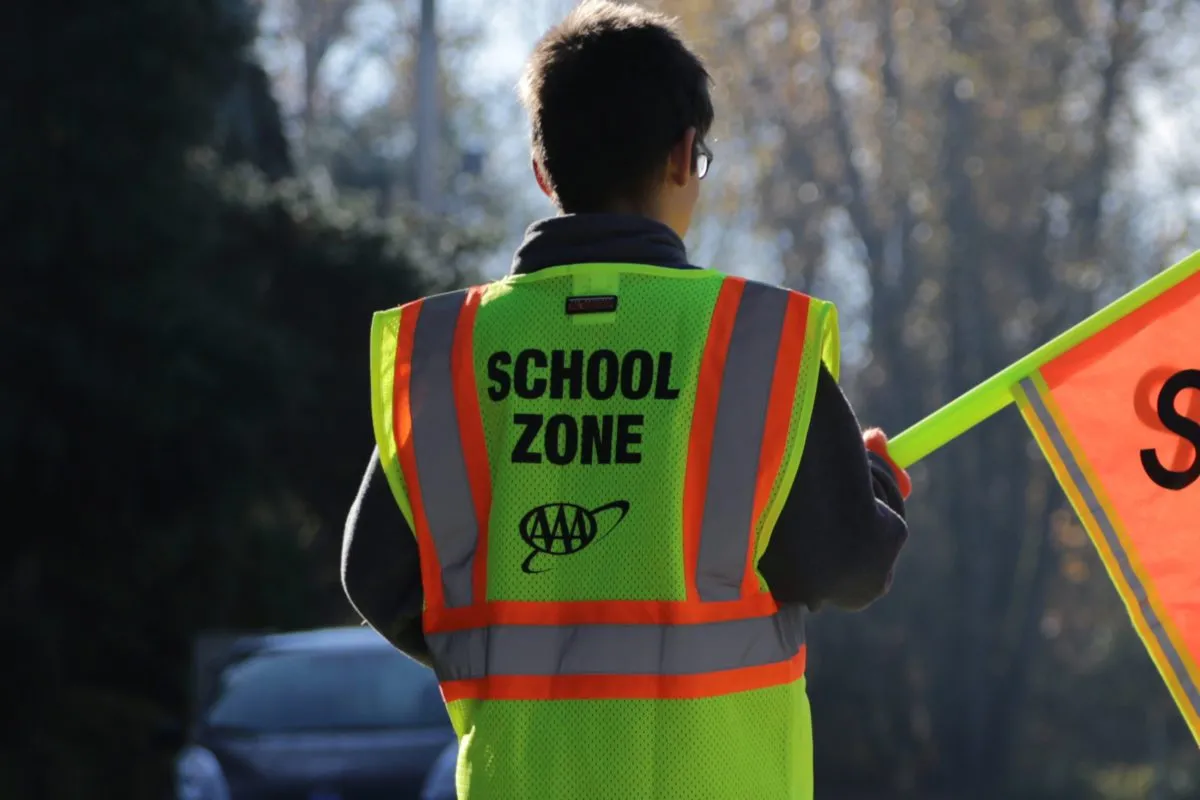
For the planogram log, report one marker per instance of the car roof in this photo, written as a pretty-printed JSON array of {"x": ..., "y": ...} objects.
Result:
[{"x": 333, "y": 639}]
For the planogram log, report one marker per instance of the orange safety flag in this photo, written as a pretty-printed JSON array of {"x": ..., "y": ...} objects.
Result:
[{"x": 1118, "y": 417}]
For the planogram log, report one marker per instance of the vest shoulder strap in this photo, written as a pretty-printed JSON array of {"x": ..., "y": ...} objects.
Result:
[
  {"x": 385, "y": 333},
  {"x": 813, "y": 341}
]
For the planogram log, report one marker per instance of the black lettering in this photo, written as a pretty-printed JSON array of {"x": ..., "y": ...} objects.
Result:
[
  {"x": 606, "y": 362},
  {"x": 1177, "y": 423},
  {"x": 629, "y": 435},
  {"x": 637, "y": 374},
  {"x": 568, "y": 373},
  {"x": 562, "y": 439},
  {"x": 662, "y": 382},
  {"x": 501, "y": 382},
  {"x": 530, "y": 390},
  {"x": 597, "y": 438},
  {"x": 523, "y": 451}
]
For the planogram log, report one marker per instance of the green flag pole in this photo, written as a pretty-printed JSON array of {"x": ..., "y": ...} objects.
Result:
[{"x": 994, "y": 394}]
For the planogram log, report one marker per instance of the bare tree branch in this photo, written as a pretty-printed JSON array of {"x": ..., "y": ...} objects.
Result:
[{"x": 857, "y": 205}]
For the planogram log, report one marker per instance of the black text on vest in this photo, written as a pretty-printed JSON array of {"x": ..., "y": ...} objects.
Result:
[
  {"x": 563, "y": 375},
  {"x": 1178, "y": 423},
  {"x": 590, "y": 439}
]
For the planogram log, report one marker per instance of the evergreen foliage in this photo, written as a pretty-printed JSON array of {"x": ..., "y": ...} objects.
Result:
[{"x": 183, "y": 388}]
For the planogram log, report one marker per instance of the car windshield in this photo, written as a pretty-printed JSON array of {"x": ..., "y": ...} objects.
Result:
[{"x": 323, "y": 691}]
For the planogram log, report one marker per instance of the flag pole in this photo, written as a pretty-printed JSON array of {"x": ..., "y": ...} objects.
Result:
[{"x": 994, "y": 394}]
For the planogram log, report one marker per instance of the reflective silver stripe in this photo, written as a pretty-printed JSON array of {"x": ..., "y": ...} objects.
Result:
[
  {"x": 437, "y": 445},
  {"x": 737, "y": 441},
  {"x": 543, "y": 650},
  {"x": 1038, "y": 405}
]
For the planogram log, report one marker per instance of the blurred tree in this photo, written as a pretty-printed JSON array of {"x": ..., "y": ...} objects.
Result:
[
  {"x": 182, "y": 388},
  {"x": 946, "y": 169},
  {"x": 347, "y": 69},
  {"x": 248, "y": 126}
]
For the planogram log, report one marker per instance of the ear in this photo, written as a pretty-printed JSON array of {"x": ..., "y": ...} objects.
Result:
[
  {"x": 542, "y": 183},
  {"x": 679, "y": 166}
]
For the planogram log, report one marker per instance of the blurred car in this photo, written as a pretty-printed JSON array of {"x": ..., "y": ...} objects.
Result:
[
  {"x": 333, "y": 714},
  {"x": 439, "y": 784}
]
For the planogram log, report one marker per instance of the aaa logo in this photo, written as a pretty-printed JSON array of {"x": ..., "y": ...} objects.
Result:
[{"x": 564, "y": 529}]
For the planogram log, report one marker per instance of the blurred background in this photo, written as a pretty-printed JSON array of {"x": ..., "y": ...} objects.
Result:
[{"x": 206, "y": 199}]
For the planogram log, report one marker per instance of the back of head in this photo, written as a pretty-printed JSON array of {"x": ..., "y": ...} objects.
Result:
[{"x": 609, "y": 91}]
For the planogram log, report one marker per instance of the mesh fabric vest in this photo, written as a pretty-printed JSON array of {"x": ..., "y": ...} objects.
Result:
[{"x": 592, "y": 459}]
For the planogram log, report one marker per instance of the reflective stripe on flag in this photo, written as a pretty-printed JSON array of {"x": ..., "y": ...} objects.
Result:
[{"x": 1118, "y": 417}]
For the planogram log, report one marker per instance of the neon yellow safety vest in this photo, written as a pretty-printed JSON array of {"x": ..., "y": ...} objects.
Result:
[{"x": 593, "y": 458}]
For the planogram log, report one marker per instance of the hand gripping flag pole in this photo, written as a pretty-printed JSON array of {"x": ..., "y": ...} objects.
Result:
[{"x": 1114, "y": 404}]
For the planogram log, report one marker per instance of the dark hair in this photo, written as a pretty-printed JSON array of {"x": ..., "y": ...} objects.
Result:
[{"x": 609, "y": 91}]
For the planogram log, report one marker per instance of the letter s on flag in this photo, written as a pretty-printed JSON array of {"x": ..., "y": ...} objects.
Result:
[{"x": 1185, "y": 425}]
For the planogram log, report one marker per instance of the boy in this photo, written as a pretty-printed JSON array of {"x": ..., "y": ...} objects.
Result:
[{"x": 625, "y": 479}]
